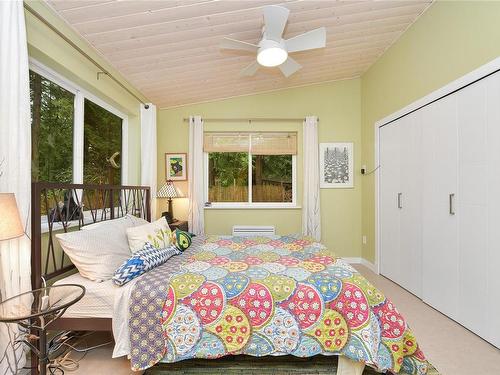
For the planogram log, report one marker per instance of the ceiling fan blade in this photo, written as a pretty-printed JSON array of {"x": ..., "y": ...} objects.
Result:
[
  {"x": 275, "y": 18},
  {"x": 311, "y": 40},
  {"x": 250, "y": 70},
  {"x": 228, "y": 43},
  {"x": 289, "y": 67}
]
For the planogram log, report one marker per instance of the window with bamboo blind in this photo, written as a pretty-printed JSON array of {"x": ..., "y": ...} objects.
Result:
[{"x": 251, "y": 168}]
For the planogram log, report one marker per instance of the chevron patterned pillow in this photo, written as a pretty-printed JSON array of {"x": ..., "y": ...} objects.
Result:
[{"x": 142, "y": 261}]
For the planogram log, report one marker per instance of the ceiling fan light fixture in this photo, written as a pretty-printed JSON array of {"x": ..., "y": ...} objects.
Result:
[
  {"x": 273, "y": 56},
  {"x": 272, "y": 50},
  {"x": 271, "y": 53}
]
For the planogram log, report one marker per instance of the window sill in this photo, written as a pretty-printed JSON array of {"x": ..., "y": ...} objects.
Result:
[
  {"x": 242, "y": 206},
  {"x": 87, "y": 220},
  {"x": 56, "y": 226}
]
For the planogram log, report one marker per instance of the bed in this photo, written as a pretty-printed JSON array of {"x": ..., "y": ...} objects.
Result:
[
  {"x": 49, "y": 264},
  {"x": 224, "y": 295},
  {"x": 97, "y": 301}
]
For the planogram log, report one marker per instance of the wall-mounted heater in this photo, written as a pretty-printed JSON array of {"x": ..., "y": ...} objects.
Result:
[{"x": 253, "y": 230}]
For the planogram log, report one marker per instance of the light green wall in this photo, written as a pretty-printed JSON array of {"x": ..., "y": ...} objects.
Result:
[
  {"x": 337, "y": 104},
  {"x": 52, "y": 51},
  {"x": 448, "y": 41}
]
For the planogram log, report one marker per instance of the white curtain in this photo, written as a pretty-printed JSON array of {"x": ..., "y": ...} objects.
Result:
[
  {"x": 148, "y": 152},
  {"x": 195, "y": 176},
  {"x": 15, "y": 167},
  {"x": 311, "y": 218}
]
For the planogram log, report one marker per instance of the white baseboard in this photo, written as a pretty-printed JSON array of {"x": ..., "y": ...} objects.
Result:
[
  {"x": 362, "y": 261},
  {"x": 352, "y": 260}
]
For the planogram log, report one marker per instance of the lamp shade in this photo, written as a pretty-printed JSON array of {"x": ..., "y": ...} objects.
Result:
[
  {"x": 10, "y": 221},
  {"x": 168, "y": 190}
]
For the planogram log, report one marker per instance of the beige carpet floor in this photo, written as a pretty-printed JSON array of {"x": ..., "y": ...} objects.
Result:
[{"x": 452, "y": 349}]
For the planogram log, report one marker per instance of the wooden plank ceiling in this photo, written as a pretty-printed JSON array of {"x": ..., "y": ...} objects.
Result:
[{"x": 169, "y": 50}]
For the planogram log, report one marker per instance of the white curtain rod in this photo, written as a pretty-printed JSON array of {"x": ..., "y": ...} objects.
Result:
[{"x": 256, "y": 119}]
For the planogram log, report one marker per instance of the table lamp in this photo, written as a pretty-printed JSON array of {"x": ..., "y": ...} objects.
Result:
[
  {"x": 168, "y": 190},
  {"x": 10, "y": 221}
]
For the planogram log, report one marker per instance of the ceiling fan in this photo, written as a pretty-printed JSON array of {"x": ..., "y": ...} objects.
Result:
[{"x": 273, "y": 50}]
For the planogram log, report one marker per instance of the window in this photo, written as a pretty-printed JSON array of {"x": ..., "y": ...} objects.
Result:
[
  {"x": 228, "y": 177},
  {"x": 272, "y": 178},
  {"x": 102, "y": 145},
  {"x": 76, "y": 137},
  {"x": 52, "y": 117},
  {"x": 250, "y": 169}
]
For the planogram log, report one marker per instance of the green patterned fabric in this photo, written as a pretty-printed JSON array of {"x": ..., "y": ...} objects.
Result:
[
  {"x": 180, "y": 239},
  {"x": 239, "y": 365}
]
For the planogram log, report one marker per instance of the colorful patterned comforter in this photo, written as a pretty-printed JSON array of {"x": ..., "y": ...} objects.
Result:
[{"x": 266, "y": 296}]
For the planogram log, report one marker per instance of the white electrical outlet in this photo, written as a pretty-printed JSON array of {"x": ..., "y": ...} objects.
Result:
[{"x": 364, "y": 240}]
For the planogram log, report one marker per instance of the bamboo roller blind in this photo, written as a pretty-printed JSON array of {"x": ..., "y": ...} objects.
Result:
[{"x": 258, "y": 143}]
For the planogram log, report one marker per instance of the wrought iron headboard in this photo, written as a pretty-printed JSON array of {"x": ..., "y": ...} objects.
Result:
[{"x": 57, "y": 207}]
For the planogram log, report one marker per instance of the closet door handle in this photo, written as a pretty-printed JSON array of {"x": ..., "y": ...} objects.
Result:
[
  {"x": 452, "y": 205},
  {"x": 400, "y": 203}
]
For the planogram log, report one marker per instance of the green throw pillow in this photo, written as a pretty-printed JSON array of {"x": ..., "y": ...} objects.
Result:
[{"x": 180, "y": 239}]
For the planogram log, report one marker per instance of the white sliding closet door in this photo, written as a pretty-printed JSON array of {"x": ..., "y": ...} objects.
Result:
[
  {"x": 439, "y": 202},
  {"x": 472, "y": 207},
  {"x": 390, "y": 200},
  {"x": 493, "y": 236},
  {"x": 440, "y": 189},
  {"x": 400, "y": 202},
  {"x": 410, "y": 243}
]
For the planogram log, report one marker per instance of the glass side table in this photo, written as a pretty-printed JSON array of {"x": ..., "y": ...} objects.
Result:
[{"x": 36, "y": 310}]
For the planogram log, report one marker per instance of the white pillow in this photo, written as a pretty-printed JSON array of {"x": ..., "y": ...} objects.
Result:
[
  {"x": 127, "y": 220},
  {"x": 156, "y": 233},
  {"x": 99, "y": 251}
]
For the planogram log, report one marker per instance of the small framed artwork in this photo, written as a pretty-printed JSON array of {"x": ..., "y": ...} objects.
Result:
[
  {"x": 336, "y": 165},
  {"x": 176, "y": 167}
]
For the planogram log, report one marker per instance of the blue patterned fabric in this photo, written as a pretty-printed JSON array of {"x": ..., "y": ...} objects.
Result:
[{"x": 142, "y": 261}]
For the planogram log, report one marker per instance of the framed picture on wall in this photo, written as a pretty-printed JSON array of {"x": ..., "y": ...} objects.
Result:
[
  {"x": 176, "y": 167},
  {"x": 336, "y": 165}
]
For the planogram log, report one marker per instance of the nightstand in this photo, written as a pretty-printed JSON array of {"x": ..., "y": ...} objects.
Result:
[
  {"x": 181, "y": 225},
  {"x": 36, "y": 310}
]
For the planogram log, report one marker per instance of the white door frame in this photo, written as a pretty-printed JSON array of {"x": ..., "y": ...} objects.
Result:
[{"x": 466, "y": 80}]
